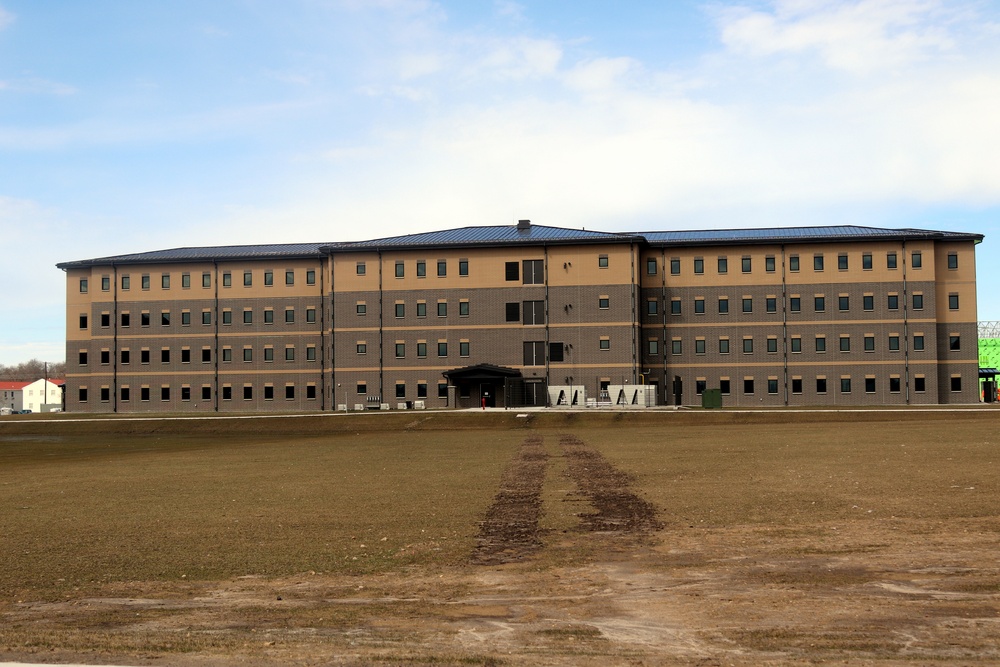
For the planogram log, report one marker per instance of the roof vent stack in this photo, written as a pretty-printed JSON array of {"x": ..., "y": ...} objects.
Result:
[{"x": 523, "y": 225}]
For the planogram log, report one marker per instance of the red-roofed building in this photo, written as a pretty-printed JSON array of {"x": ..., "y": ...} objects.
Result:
[
  {"x": 43, "y": 395},
  {"x": 12, "y": 395}
]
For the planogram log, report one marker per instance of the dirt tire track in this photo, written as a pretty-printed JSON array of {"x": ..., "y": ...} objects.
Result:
[
  {"x": 607, "y": 488},
  {"x": 510, "y": 530}
]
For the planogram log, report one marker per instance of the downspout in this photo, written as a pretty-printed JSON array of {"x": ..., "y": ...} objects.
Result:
[
  {"x": 381, "y": 351},
  {"x": 322, "y": 338},
  {"x": 635, "y": 320},
  {"x": 215, "y": 321},
  {"x": 663, "y": 316},
  {"x": 784, "y": 322},
  {"x": 114, "y": 346},
  {"x": 545, "y": 270},
  {"x": 333, "y": 330},
  {"x": 906, "y": 336}
]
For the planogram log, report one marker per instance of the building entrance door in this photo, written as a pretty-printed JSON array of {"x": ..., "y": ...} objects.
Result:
[{"x": 488, "y": 395}]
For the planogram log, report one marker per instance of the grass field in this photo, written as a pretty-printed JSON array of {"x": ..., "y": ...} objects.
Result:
[{"x": 562, "y": 538}]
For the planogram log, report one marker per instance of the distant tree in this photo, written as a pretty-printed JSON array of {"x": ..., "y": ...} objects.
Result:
[{"x": 29, "y": 371}]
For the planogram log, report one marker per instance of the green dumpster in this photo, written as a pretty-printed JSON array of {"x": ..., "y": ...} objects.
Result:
[{"x": 711, "y": 398}]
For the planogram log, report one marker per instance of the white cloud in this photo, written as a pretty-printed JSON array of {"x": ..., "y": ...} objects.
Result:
[
  {"x": 36, "y": 86},
  {"x": 857, "y": 36},
  {"x": 6, "y": 18},
  {"x": 513, "y": 59}
]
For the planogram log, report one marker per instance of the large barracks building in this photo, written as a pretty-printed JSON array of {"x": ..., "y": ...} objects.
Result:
[{"x": 529, "y": 315}]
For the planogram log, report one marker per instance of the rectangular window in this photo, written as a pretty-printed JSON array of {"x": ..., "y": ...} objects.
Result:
[
  {"x": 126, "y": 320},
  {"x": 513, "y": 312},
  {"x": 442, "y": 267},
  {"x": 675, "y": 306},
  {"x": 186, "y": 280},
  {"x": 268, "y": 278},
  {"x": 869, "y": 343},
  {"x": 400, "y": 270},
  {"x": 893, "y": 302},
  {"x": 845, "y": 343},
  {"x": 845, "y": 385},
  {"x": 400, "y": 310},
  {"x": 247, "y": 278},
  {"x": 361, "y": 308},
  {"x": 676, "y": 346},
  {"x": 268, "y": 392},
  {"x": 604, "y": 344},
  {"x": 206, "y": 279},
  {"x": 952, "y": 302},
  {"x": 747, "y": 265},
  {"x": 442, "y": 390},
  {"x": 675, "y": 266},
  {"x": 918, "y": 302},
  {"x": 463, "y": 350},
  {"x": 82, "y": 359},
  {"x": 145, "y": 318},
  {"x": 818, "y": 262},
  {"x": 952, "y": 264},
  {"x": 747, "y": 305},
  {"x": 533, "y": 272},
  {"x": 105, "y": 357},
  {"x": 890, "y": 260},
  {"x": 954, "y": 343},
  {"x": 868, "y": 302},
  {"x": 534, "y": 312},
  {"x": 723, "y": 305},
  {"x": 83, "y": 285},
  {"x": 651, "y": 267},
  {"x": 769, "y": 264},
  {"x": 311, "y": 315},
  {"x": 289, "y": 392},
  {"x": 821, "y": 343},
  {"x": 652, "y": 307},
  {"x": 796, "y": 344},
  {"x": 796, "y": 385},
  {"x": 920, "y": 384},
  {"x": 442, "y": 349},
  {"x": 699, "y": 346},
  {"x": 206, "y": 355},
  {"x": 894, "y": 384},
  {"x": 164, "y": 393},
  {"x": 463, "y": 267},
  {"x": 83, "y": 321},
  {"x": 165, "y": 318},
  {"x": 748, "y": 346},
  {"x": 247, "y": 317},
  {"x": 723, "y": 265},
  {"x": 747, "y": 385},
  {"x": 918, "y": 342},
  {"x": 311, "y": 277},
  {"x": 125, "y": 356},
  {"x": 602, "y": 262},
  {"x": 126, "y": 283},
  {"x": 165, "y": 281},
  {"x": 512, "y": 271},
  {"x": 724, "y": 386},
  {"x": 185, "y": 355},
  {"x": 795, "y": 304},
  {"x": 723, "y": 346},
  {"x": 422, "y": 350},
  {"x": 793, "y": 263},
  {"x": 463, "y": 308},
  {"x": 206, "y": 317},
  {"x": 360, "y": 269},
  {"x": 771, "y": 304},
  {"x": 289, "y": 277},
  {"x": 144, "y": 281},
  {"x": 290, "y": 353},
  {"x": 442, "y": 308},
  {"x": 916, "y": 260},
  {"x": 699, "y": 265},
  {"x": 400, "y": 350},
  {"x": 821, "y": 385},
  {"x": 772, "y": 385},
  {"x": 247, "y": 354},
  {"x": 105, "y": 320},
  {"x": 361, "y": 347},
  {"x": 869, "y": 385},
  {"x": 289, "y": 315},
  {"x": 421, "y": 389},
  {"x": 894, "y": 342},
  {"x": 772, "y": 345},
  {"x": 844, "y": 302},
  {"x": 819, "y": 304},
  {"x": 165, "y": 355},
  {"x": 842, "y": 262},
  {"x": 699, "y": 306},
  {"x": 185, "y": 318}
]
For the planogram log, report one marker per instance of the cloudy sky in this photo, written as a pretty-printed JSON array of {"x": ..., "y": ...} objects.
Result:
[{"x": 130, "y": 126}]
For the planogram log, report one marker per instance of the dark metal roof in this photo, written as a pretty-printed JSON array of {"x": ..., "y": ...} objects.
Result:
[
  {"x": 496, "y": 235},
  {"x": 511, "y": 235},
  {"x": 798, "y": 235},
  {"x": 481, "y": 372}
]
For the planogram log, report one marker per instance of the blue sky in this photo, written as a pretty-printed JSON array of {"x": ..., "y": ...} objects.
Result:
[{"x": 130, "y": 126}]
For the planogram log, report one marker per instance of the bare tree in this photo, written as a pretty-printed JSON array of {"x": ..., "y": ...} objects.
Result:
[{"x": 30, "y": 371}]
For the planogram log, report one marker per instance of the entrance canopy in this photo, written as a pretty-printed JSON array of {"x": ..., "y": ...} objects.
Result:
[{"x": 481, "y": 373}]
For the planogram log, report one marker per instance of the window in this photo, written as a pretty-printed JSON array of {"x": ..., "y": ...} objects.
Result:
[
  {"x": 723, "y": 346},
  {"x": 894, "y": 384},
  {"x": 126, "y": 394},
  {"x": 311, "y": 277},
  {"x": 105, "y": 283},
  {"x": 793, "y": 263},
  {"x": 289, "y": 277},
  {"x": 747, "y": 385},
  {"x": 866, "y": 261},
  {"x": 268, "y": 392},
  {"x": 699, "y": 306},
  {"x": 952, "y": 264},
  {"x": 920, "y": 384},
  {"x": 125, "y": 357},
  {"x": 956, "y": 383},
  {"x": 534, "y": 312},
  {"x": 954, "y": 343},
  {"x": 360, "y": 269},
  {"x": 421, "y": 268},
  {"x": 845, "y": 385},
  {"x": 83, "y": 285},
  {"x": 463, "y": 267},
  {"x": 747, "y": 345},
  {"x": 400, "y": 350},
  {"x": 699, "y": 346},
  {"x": 772, "y": 345},
  {"x": 422, "y": 350},
  {"x": 675, "y": 266},
  {"x": 144, "y": 319},
  {"x": 165, "y": 355},
  {"x": 400, "y": 390},
  {"x": 442, "y": 308},
  {"x": 268, "y": 353},
  {"x": 164, "y": 393},
  {"x": 289, "y": 315},
  {"x": 105, "y": 357},
  {"x": 247, "y": 317},
  {"x": 289, "y": 392},
  {"x": 651, "y": 267},
  {"x": 206, "y": 279},
  {"x": 747, "y": 305},
  {"x": 893, "y": 302},
  {"x": 165, "y": 281},
  {"x": 868, "y": 302},
  {"x": 463, "y": 350},
  {"x": 916, "y": 260},
  {"x": 894, "y": 342},
  {"x": 247, "y": 278},
  {"x": 952, "y": 302},
  {"x": 796, "y": 344},
  {"x": 869, "y": 343},
  {"x": 186, "y": 280},
  {"x": 820, "y": 385},
  {"x": 724, "y": 386},
  {"x": 443, "y": 268},
  {"x": 83, "y": 358},
  {"x": 746, "y": 265},
  {"x": 796, "y": 385},
  {"x": 842, "y": 262},
  {"x": 185, "y": 355},
  {"x": 699, "y": 265},
  {"x": 795, "y": 304},
  {"x": 676, "y": 346},
  {"x": 512, "y": 271},
  {"x": 206, "y": 355},
  {"x": 890, "y": 260},
  {"x": 311, "y": 315},
  {"x": 602, "y": 262},
  {"x": 442, "y": 349},
  {"x": 844, "y": 302},
  {"x": 290, "y": 353},
  {"x": 652, "y": 307},
  {"x": 421, "y": 390},
  {"x": 361, "y": 308},
  {"x": 400, "y": 269},
  {"x": 675, "y": 306},
  {"x": 227, "y": 279},
  {"x": 845, "y": 343},
  {"x": 819, "y": 304},
  {"x": 817, "y": 262},
  {"x": 105, "y": 320},
  {"x": 918, "y": 342},
  {"x": 821, "y": 343},
  {"x": 268, "y": 316},
  {"x": 400, "y": 310},
  {"x": 165, "y": 318},
  {"x": 604, "y": 344},
  {"x": 421, "y": 309},
  {"x": 206, "y": 317},
  {"x": 513, "y": 312},
  {"x": 463, "y": 308},
  {"x": 144, "y": 281},
  {"x": 723, "y": 265},
  {"x": 771, "y": 304},
  {"x": 534, "y": 353},
  {"x": 533, "y": 272},
  {"x": 603, "y": 303},
  {"x": 918, "y": 302},
  {"x": 442, "y": 390},
  {"x": 144, "y": 356},
  {"x": 83, "y": 321},
  {"x": 772, "y": 385},
  {"x": 362, "y": 348},
  {"x": 723, "y": 305}
]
